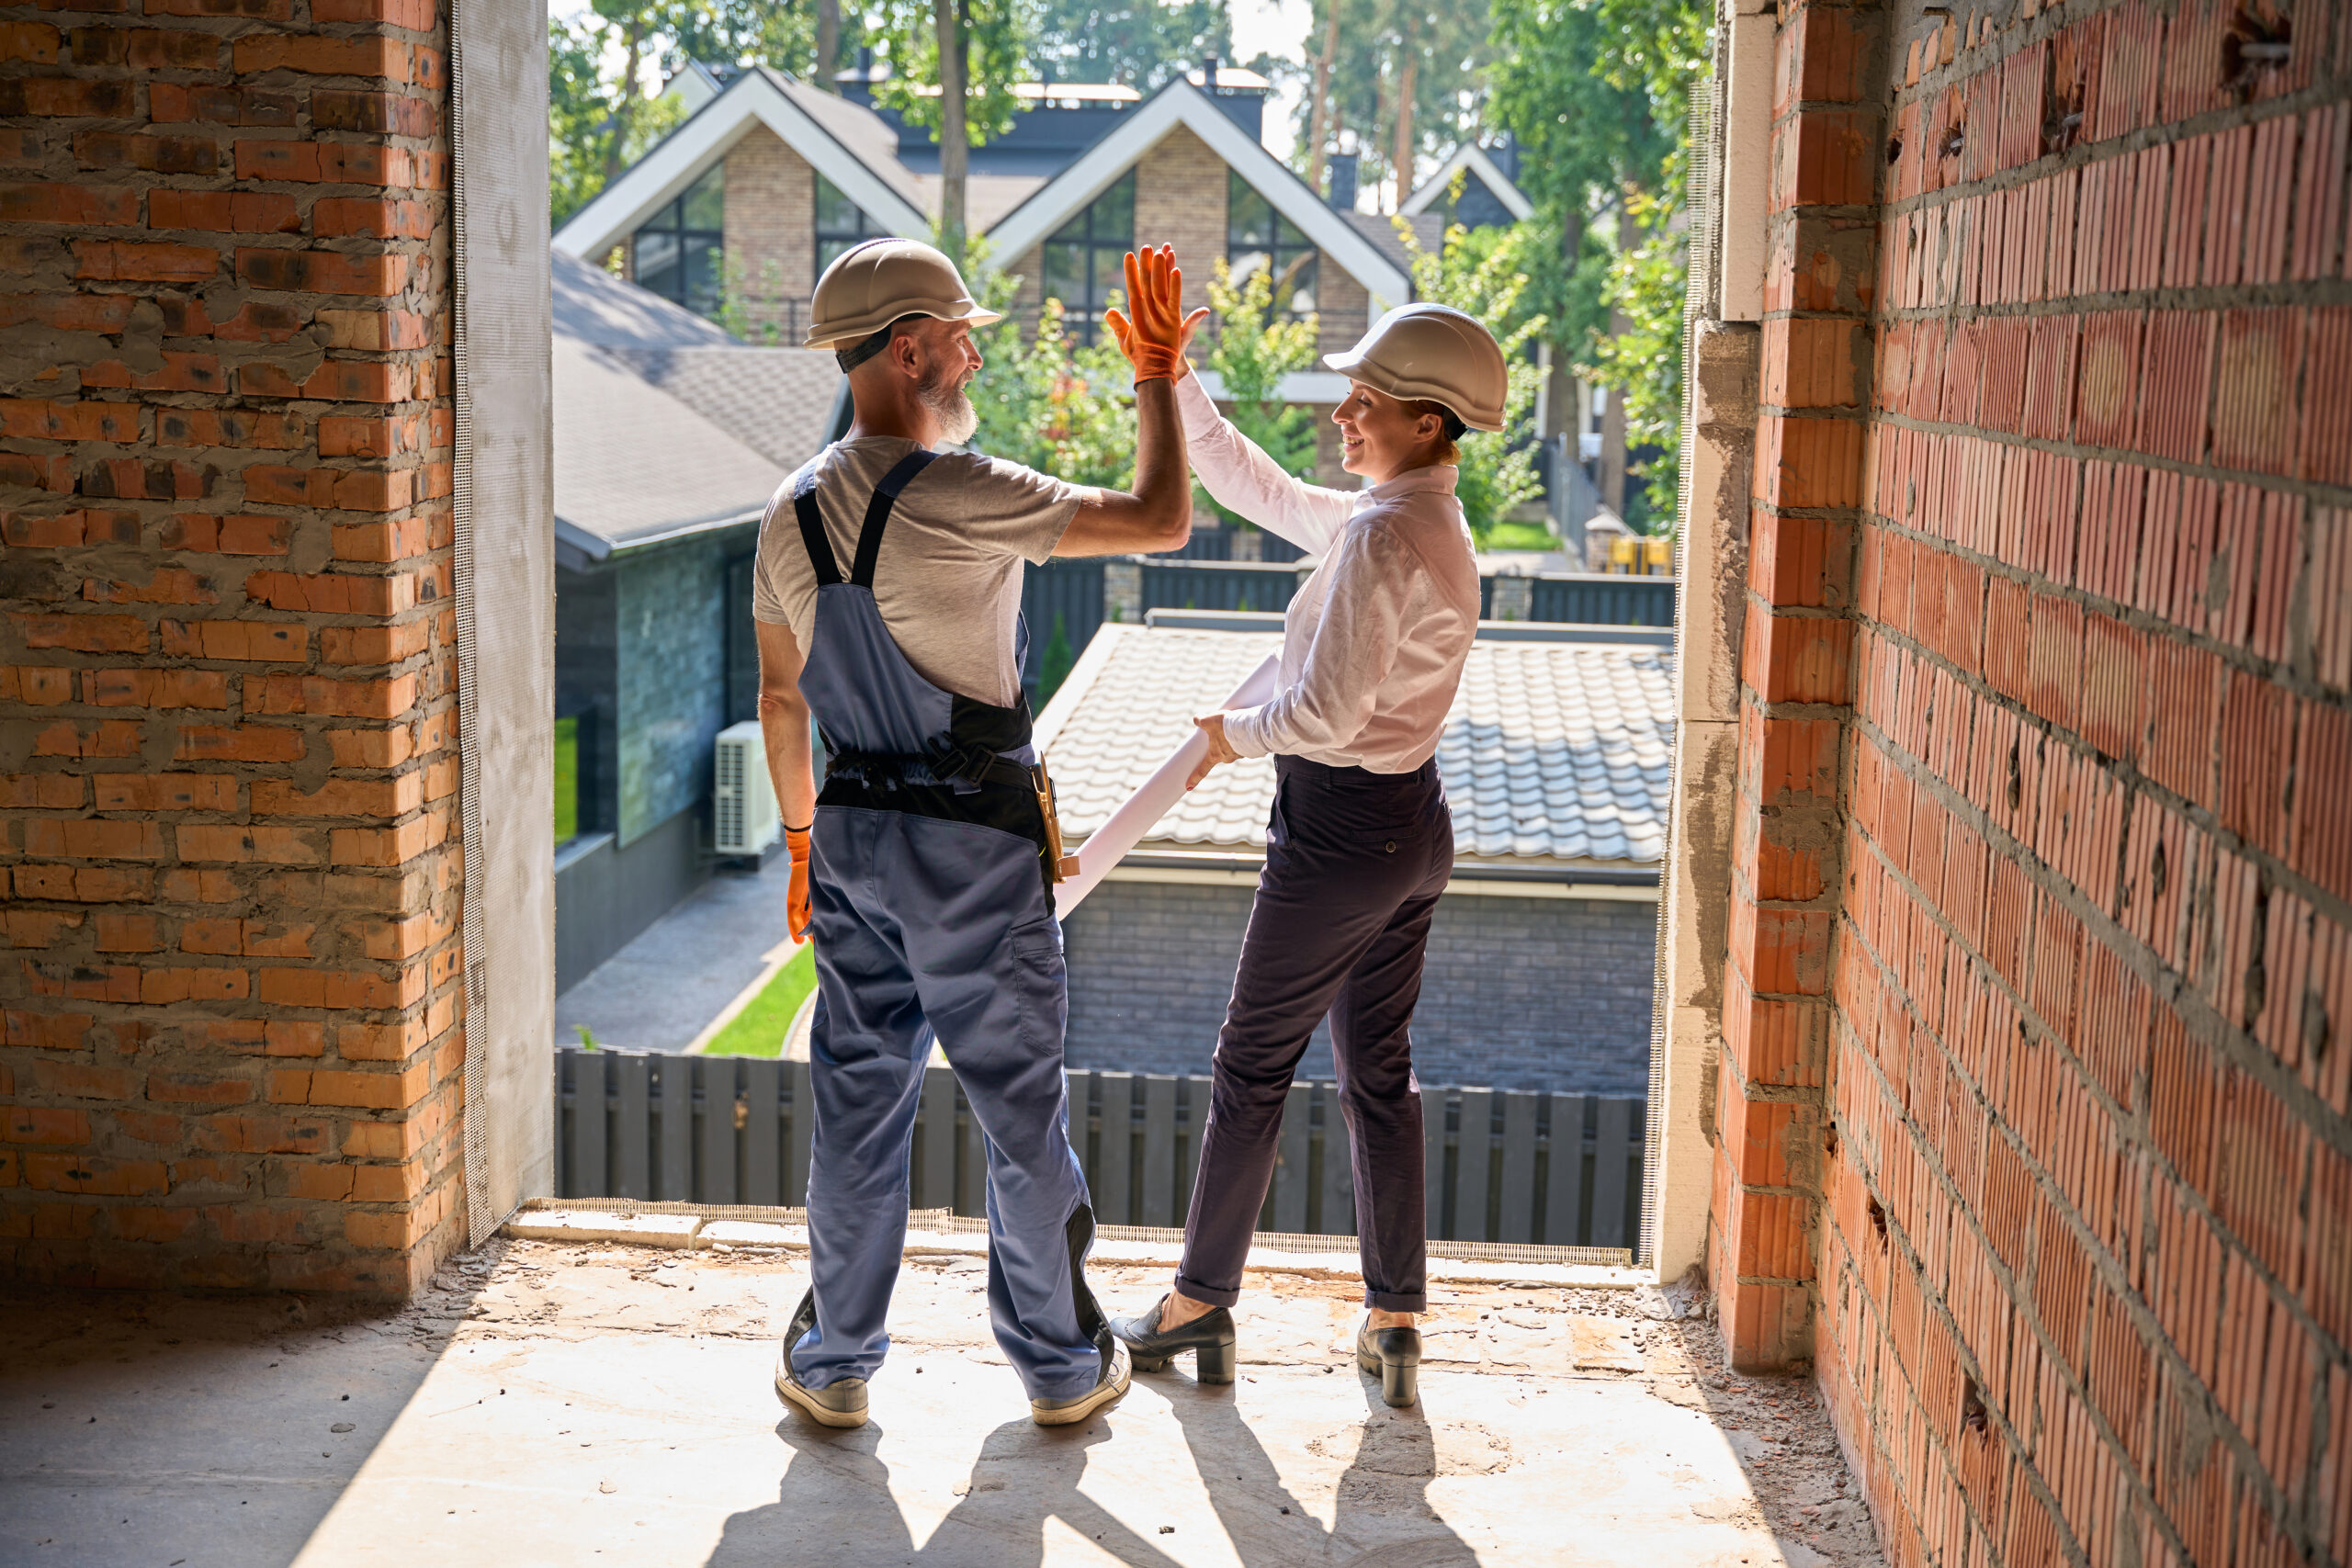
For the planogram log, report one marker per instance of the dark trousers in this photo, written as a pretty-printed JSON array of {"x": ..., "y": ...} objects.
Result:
[{"x": 1355, "y": 861}]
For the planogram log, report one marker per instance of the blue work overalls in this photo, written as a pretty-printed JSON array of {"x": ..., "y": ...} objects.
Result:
[{"x": 932, "y": 917}]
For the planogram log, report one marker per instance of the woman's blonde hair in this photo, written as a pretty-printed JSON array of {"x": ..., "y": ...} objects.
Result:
[{"x": 1450, "y": 429}]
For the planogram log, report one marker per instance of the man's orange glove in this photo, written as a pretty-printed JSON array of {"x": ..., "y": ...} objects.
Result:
[
  {"x": 1154, "y": 337},
  {"x": 796, "y": 891}
]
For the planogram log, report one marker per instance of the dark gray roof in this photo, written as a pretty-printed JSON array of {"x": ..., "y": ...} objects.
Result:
[
  {"x": 591, "y": 305},
  {"x": 778, "y": 402},
  {"x": 1555, "y": 750},
  {"x": 1380, "y": 228},
  {"x": 663, "y": 423}
]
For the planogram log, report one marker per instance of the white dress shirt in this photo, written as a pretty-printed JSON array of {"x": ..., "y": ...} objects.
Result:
[{"x": 1374, "y": 642}]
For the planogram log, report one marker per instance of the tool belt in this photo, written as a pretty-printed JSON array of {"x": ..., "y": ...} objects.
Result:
[{"x": 963, "y": 768}]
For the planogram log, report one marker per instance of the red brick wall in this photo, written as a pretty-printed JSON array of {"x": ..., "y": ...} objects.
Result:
[
  {"x": 227, "y": 665},
  {"x": 2079, "y": 1284}
]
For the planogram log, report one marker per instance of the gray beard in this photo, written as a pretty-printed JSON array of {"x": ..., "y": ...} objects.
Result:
[{"x": 953, "y": 411}]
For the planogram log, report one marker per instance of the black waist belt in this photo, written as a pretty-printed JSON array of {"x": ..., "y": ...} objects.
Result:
[{"x": 883, "y": 768}]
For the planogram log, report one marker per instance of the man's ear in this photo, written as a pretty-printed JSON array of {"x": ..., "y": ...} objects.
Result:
[{"x": 906, "y": 352}]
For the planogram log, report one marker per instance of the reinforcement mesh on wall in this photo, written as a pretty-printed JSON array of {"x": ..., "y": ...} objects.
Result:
[{"x": 505, "y": 598}]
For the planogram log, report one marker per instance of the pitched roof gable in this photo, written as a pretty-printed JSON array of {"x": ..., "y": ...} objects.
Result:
[
  {"x": 1143, "y": 128},
  {"x": 1472, "y": 158},
  {"x": 820, "y": 134}
]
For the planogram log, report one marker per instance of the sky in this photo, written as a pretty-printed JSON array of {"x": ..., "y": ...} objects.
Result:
[{"x": 1272, "y": 26}]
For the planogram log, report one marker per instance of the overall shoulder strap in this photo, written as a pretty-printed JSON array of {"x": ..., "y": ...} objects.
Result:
[
  {"x": 812, "y": 530},
  {"x": 877, "y": 514}
]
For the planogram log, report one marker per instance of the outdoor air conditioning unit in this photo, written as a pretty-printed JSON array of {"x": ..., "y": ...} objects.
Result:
[{"x": 745, "y": 822}]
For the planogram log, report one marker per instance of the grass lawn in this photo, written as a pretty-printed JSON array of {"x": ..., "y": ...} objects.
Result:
[
  {"x": 566, "y": 780},
  {"x": 1519, "y": 536},
  {"x": 758, "y": 1030}
]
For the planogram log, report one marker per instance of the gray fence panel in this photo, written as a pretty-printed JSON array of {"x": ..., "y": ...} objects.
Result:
[
  {"x": 803, "y": 1122},
  {"x": 1563, "y": 1185},
  {"x": 1474, "y": 1149},
  {"x": 1503, "y": 1165},
  {"x": 1603, "y": 599},
  {"x": 1067, "y": 592},
  {"x": 1612, "y": 1152},
  {"x": 632, "y": 1151},
  {"x": 1517, "y": 1209},
  {"x": 673, "y": 1158},
  {"x": 1217, "y": 585},
  {"x": 715, "y": 1171},
  {"x": 1158, "y": 1184},
  {"x": 762, "y": 1131}
]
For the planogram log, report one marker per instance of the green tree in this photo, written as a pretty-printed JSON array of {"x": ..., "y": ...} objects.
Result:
[
  {"x": 1142, "y": 43},
  {"x": 1484, "y": 275},
  {"x": 600, "y": 121},
  {"x": 955, "y": 64},
  {"x": 1409, "y": 83},
  {"x": 1252, "y": 350},
  {"x": 1044, "y": 400}
]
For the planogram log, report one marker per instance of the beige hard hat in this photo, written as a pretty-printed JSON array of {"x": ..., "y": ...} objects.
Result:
[
  {"x": 871, "y": 284},
  {"x": 1434, "y": 352}
]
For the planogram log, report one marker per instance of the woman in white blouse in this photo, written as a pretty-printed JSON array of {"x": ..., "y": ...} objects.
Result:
[{"x": 1360, "y": 842}]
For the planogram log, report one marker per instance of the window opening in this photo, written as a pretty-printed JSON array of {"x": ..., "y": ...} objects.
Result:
[
  {"x": 678, "y": 250},
  {"x": 841, "y": 224},
  {"x": 1085, "y": 261},
  {"x": 1257, "y": 236}
]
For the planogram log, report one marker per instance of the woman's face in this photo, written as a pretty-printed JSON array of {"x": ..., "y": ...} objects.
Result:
[{"x": 1381, "y": 437}]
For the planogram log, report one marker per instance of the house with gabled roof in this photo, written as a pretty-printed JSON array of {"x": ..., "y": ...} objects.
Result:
[{"x": 782, "y": 176}]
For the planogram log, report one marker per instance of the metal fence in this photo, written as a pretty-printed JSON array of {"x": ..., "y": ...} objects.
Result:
[
  {"x": 1597, "y": 598},
  {"x": 1218, "y": 584},
  {"x": 1503, "y": 1165}
]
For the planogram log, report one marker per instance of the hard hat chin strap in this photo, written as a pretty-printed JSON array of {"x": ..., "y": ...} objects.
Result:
[{"x": 865, "y": 348}]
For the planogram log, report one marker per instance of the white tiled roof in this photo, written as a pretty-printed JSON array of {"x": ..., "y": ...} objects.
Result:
[{"x": 1554, "y": 750}]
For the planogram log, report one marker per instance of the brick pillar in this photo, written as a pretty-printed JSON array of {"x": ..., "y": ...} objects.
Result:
[
  {"x": 1795, "y": 684},
  {"x": 226, "y": 668}
]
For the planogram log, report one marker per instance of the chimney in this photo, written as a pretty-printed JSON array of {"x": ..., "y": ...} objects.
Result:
[
  {"x": 1343, "y": 182},
  {"x": 1209, "y": 63}
]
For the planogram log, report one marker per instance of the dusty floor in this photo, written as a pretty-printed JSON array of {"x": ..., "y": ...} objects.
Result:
[{"x": 570, "y": 1404}]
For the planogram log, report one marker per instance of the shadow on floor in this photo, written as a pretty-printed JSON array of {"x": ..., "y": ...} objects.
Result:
[
  {"x": 148, "y": 1429},
  {"x": 835, "y": 1497}
]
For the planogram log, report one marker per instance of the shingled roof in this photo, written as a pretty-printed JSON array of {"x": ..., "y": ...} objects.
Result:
[{"x": 1554, "y": 755}]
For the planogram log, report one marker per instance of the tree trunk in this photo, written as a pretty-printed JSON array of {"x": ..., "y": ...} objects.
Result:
[
  {"x": 1404, "y": 85},
  {"x": 955, "y": 148},
  {"x": 828, "y": 44},
  {"x": 1320, "y": 134},
  {"x": 624, "y": 102},
  {"x": 1563, "y": 414}
]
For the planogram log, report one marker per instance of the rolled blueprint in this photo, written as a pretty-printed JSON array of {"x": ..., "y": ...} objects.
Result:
[{"x": 1136, "y": 816}]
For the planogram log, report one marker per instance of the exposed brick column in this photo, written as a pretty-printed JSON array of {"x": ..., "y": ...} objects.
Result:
[
  {"x": 226, "y": 670},
  {"x": 2087, "y": 1259},
  {"x": 1796, "y": 671}
]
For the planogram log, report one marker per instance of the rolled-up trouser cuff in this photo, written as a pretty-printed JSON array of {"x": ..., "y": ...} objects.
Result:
[
  {"x": 1188, "y": 1286},
  {"x": 1392, "y": 1300}
]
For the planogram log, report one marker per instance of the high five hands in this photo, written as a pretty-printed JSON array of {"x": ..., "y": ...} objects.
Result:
[{"x": 1155, "y": 337}]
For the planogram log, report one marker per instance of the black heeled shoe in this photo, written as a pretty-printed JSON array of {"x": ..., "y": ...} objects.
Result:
[
  {"x": 1395, "y": 1355},
  {"x": 1209, "y": 1337}
]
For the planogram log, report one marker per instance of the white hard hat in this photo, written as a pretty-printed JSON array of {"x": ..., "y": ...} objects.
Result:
[
  {"x": 1434, "y": 352},
  {"x": 871, "y": 284}
]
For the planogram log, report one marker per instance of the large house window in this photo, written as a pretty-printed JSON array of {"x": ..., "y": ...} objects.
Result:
[
  {"x": 678, "y": 252},
  {"x": 1085, "y": 261},
  {"x": 1257, "y": 236},
  {"x": 841, "y": 223}
]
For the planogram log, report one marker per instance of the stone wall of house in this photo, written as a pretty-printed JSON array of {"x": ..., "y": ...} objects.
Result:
[
  {"x": 1343, "y": 308},
  {"x": 670, "y": 611},
  {"x": 1181, "y": 188},
  {"x": 1518, "y": 993},
  {"x": 771, "y": 225},
  {"x": 231, "y": 1048},
  {"x": 2035, "y": 1124}
]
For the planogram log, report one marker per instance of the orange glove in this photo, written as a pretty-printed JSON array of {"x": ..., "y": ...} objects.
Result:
[
  {"x": 1154, "y": 338},
  {"x": 796, "y": 892}
]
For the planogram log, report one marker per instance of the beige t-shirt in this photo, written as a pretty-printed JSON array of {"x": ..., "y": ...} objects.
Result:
[{"x": 948, "y": 578}]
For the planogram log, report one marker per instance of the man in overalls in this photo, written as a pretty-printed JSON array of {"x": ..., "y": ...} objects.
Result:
[{"x": 888, "y": 597}]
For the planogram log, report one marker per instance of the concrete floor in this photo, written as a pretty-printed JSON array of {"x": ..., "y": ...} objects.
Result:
[
  {"x": 665, "y": 987},
  {"x": 569, "y": 1403}
]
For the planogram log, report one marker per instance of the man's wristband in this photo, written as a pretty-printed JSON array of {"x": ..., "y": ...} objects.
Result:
[{"x": 803, "y": 827}]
